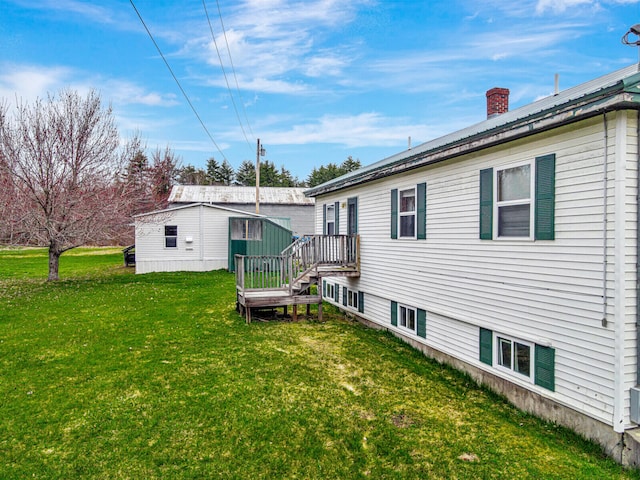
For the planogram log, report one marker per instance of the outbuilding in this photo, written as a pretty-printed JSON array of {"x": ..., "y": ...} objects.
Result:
[
  {"x": 202, "y": 237},
  {"x": 281, "y": 202}
]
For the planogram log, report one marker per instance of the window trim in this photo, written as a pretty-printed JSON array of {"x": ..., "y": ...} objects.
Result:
[
  {"x": 330, "y": 292},
  {"x": 497, "y": 337},
  {"x": 413, "y": 213},
  {"x": 529, "y": 201},
  {"x": 353, "y": 299},
  {"x": 174, "y": 237},
  {"x": 407, "y": 308},
  {"x": 332, "y": 220}
]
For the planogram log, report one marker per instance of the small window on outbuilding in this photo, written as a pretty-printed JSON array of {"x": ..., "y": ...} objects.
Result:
[
  {"x": 246, "y": 229},
  {"x": 171, "y": 236}
]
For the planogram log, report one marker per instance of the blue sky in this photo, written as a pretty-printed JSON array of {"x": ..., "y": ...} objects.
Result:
[{"x": 315, "y": 80}]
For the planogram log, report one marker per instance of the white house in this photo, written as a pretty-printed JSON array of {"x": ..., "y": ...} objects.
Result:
[
  {"x": 509, "y": 250},
  {"x": 273, "y": 202},
  {"x": 201, "y": 237}
]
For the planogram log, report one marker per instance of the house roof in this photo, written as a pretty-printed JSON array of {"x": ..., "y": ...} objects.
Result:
[
  {"x": 616, "y": 90},
  {"x": 238, "y": 195}
]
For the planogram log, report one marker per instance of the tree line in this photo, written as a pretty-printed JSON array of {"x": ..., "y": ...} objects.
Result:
[
  {"x": 216, "y": 173},
  {"x": 67, "y": 179}
]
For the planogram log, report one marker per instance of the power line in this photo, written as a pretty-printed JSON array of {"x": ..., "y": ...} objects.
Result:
[
  {"x": 224, "y": 73},
  {"x": 176, "y": 80},
  {"x": 226, "y": 41}
]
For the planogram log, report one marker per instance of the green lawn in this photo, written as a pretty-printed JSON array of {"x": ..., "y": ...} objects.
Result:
[{"x": 106, "y": 374}]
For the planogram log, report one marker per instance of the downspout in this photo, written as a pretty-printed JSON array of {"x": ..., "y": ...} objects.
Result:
[{"x": 605, "y": 221}]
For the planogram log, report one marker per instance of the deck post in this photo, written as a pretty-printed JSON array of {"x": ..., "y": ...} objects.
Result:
[
  {"x": 320, "y": 311},
  {"x": 295, "y": 312}
]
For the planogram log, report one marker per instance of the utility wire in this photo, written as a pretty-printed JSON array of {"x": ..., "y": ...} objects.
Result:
[
  {"x": 226, "y": 41},
  {"x": 176, "y": 80},
  {"x": 224, "y": 73}
]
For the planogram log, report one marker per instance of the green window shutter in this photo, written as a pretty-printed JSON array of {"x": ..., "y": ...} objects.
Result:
[
  {"x": 336, "y": 292},
  {"x": 545, "y": 197},
  {"x": 344, "y": 296},
  {"x": 486, "y": 204},
  {"x": 336, "y": 214},
  {"x": 394, "y": 314},
  {"x": 361, "y": 302},
  {"x": 422, "y": 323},
  {"x": 324, "y": 219},
  {"x": 394, "y": 213},
  {"x": 545, "y": 367},
  {"x": 486, "y": 346},
  {"x": 324, "y": 288},
  {"x": 421, "y": 200}
]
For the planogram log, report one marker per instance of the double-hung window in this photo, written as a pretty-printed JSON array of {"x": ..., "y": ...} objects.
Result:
[
  {"x": 518, "y": 201},
  {"x": 171, "y": 236},
  {"x": 330, "y": 218},
  {"x": 513, "y": 201},
  {"x": 409, "y": 212}
]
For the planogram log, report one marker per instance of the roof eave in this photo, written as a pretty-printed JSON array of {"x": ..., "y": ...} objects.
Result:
[{"x": 623, "y": 95}]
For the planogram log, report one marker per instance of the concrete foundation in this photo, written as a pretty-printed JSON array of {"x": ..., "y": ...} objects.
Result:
[{"x": 624, "y": 448}]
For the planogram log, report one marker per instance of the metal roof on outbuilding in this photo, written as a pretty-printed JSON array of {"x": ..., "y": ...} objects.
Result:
[
  {"x": 581, "y": 101},
  {"x": 238, "y": 195}
]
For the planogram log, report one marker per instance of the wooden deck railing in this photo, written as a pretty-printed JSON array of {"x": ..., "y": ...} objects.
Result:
[{"x": 280, "y": 272}]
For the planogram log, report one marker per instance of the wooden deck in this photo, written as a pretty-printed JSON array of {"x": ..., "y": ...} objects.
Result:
[
  {"x": 255, "y": 299},
  {"x": 287, "y": 279}
]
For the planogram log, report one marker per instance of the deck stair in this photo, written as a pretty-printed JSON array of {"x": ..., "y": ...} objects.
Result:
[{"x": 268, "y": 281}]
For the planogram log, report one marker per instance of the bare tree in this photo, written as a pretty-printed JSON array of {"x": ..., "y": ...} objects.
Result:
[
  {"x": 162, "y": 173},
  {"x": 61, "y": 158}
]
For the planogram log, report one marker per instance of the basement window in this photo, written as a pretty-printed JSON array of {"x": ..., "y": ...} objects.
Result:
[
  {"x": 407, "y": 318},
  {"x": 514, "y": 355},
  {"x": 330, "y": 291},
  {"x": 352, "y": 299}
]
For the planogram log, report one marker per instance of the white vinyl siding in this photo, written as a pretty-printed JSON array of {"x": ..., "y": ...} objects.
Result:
[
  {"x": 549, "y": 293},
  {"x": 206, "y": 226}
]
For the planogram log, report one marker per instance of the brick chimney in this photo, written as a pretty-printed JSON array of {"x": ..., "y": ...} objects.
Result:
[{"x": 497, "y": 101}]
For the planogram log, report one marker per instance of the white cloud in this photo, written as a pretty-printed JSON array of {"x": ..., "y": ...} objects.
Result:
[
  {"x": 559, "y": 6},
  {"x": 365, "y": 129},
  {"x": 127, "y": 93},
  {"x": 90, "y": 11},
  {"x": 27, "y": 82}
]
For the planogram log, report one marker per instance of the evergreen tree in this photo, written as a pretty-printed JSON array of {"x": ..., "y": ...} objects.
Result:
[
  {"x": 246, "y": 174},
  {"x": 213, "y": 172},
  {"x": 190, "y": 175},
  {"x": 226, "y": 174}
]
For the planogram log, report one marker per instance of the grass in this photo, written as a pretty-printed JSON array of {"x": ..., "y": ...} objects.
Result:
[{"x": 106, "y": 374}]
